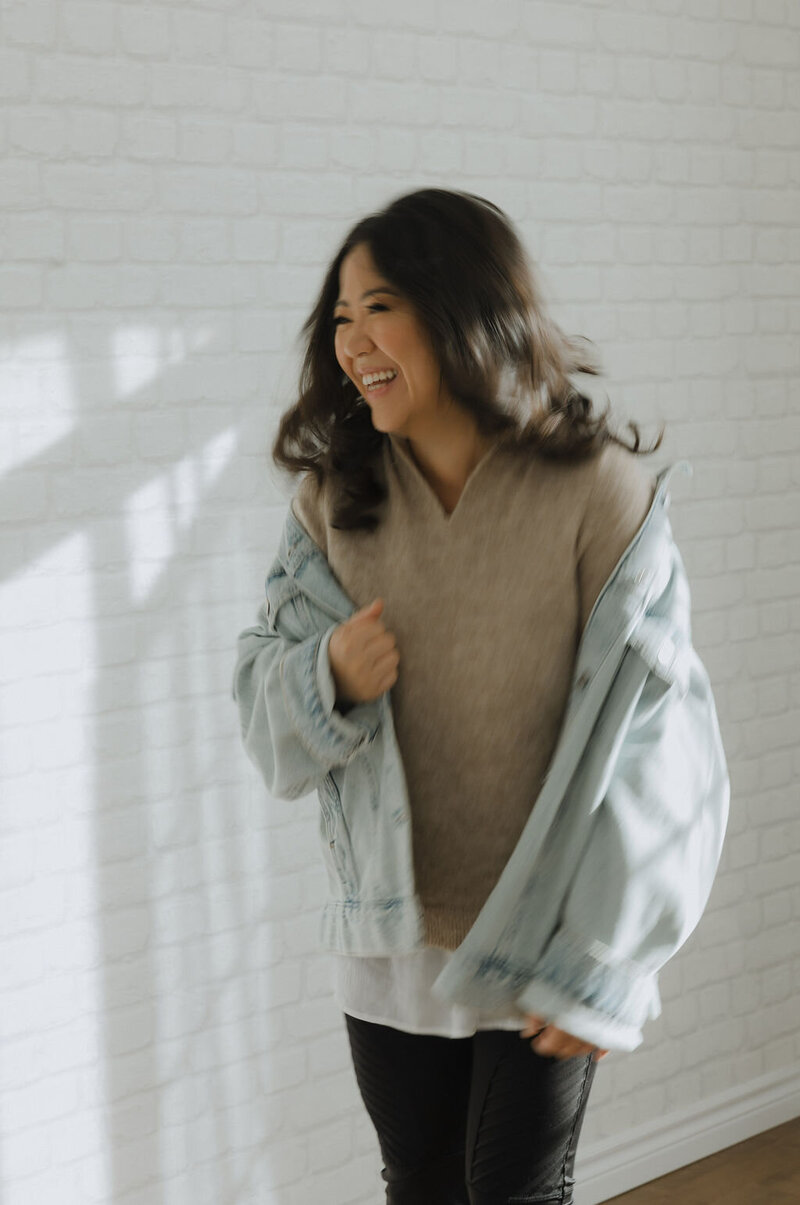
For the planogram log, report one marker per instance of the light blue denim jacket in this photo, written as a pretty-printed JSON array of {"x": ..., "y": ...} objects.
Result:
[{"x": 615, "y": 864}]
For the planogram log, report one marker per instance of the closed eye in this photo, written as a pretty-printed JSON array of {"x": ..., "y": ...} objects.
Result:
[{"x": 377, "y": 306}]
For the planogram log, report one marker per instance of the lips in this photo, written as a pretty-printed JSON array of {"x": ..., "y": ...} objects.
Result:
[{"x": 378, "y": 387}]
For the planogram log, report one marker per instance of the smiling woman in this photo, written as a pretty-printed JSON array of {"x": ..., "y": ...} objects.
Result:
[
  {"x": 439, "y": 287},
  {"x": 454, "y": 542},
  {"x": 385, "y": 351}
]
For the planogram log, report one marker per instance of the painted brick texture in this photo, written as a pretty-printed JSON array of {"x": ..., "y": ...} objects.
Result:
[{"x": 175, "y": 177}]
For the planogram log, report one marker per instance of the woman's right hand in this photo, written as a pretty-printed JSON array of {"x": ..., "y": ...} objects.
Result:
[{"x": 363, "y": 656}]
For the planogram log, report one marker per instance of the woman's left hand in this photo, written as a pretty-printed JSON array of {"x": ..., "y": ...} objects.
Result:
[{"x": 555, "y": 1042}]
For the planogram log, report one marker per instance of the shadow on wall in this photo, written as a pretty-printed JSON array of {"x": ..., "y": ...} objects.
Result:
[{"x": 164, "y": 945}]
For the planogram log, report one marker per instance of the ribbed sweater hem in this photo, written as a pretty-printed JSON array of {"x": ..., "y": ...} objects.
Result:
[
  {"x": 447, "y": 927},
  {"x": 382, "y": 927}
]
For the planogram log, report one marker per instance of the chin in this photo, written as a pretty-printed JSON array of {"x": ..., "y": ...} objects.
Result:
[{"x": 388, "y": 428}]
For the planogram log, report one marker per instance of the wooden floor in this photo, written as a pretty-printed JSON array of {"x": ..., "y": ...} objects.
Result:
[{"x": 764, "y": 1170}]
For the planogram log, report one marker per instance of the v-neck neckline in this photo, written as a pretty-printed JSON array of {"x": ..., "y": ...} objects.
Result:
[{"x": 444, "y": 517}]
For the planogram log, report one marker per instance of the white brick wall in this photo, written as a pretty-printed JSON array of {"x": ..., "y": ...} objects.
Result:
[{"x": 175, "y": 177}]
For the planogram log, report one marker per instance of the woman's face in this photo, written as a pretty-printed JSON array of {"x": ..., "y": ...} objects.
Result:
[{"x": 377, "y": 329}]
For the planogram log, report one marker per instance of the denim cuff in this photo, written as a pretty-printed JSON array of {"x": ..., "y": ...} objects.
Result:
[
  {"x": 309, "y": 695},
  {"x": 556, "y": 1008}
]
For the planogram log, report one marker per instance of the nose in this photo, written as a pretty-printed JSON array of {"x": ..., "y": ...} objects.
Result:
[{"x": 356, "y": 340}]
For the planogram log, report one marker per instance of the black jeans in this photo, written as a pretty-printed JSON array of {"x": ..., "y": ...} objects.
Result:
[{"x": 482, "y": 1120}]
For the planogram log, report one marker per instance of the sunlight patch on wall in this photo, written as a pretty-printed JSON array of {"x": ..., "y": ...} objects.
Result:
[
  {"x": 217, "y": 453},
  {"x": 150, "y": 534},
  {"x": 166, "y": 507},
  {"x": 45, "y": 614},
  {"x": 137, "y": 357},
  {"x": 36, "y": 399},
  {"x": 51, "y": 978},
  {"x": 140, "y": 354}
]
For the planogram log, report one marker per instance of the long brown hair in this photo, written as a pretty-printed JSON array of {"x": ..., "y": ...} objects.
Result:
[{"x": 457, "y": 258}]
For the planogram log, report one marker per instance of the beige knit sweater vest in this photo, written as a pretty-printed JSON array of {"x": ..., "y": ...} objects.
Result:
[{"x": 487, "y": 605}]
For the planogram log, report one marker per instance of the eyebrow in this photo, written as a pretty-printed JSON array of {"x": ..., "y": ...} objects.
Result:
[{"x": 369, "y": 293}]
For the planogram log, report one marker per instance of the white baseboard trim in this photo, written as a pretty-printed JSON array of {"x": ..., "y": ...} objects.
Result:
[{"x": 607, "y": 1168}]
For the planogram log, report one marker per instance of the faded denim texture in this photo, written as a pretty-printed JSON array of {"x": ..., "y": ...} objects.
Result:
[{"x": 614, "y": 867}]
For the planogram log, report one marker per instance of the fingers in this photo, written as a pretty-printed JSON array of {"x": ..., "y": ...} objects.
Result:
[
  {"x": 549, "y": 1041},
  {"x": 557, "y": 1044},
  {"x": 533, "y": 1024}
]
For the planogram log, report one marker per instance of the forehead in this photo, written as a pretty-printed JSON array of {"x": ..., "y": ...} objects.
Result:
[
  {"x": 358, "y": 273},
  {"x": 358, "y": 261}
]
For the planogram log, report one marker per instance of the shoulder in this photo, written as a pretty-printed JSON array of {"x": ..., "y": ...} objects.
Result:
[
  {"x": 617, "y": 495},
  {"x": 309, "y": 494},
  {"x": 618, "y": 484},
  {"x": 308, "y": 505}
]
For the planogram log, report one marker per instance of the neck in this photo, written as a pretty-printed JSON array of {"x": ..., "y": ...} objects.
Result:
[{"x": 448, "y": 459}]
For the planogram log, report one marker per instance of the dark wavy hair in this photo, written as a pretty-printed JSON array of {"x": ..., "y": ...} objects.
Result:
[{"x": 458, "y": 260}]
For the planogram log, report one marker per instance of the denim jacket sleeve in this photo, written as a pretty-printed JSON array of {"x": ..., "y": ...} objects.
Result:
[
  {"x": 652, "y": 849},
  {"x": 285, "y": 694}
]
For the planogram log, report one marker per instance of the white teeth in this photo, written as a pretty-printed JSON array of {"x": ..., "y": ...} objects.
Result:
[{"x": 372, "y": 377}]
